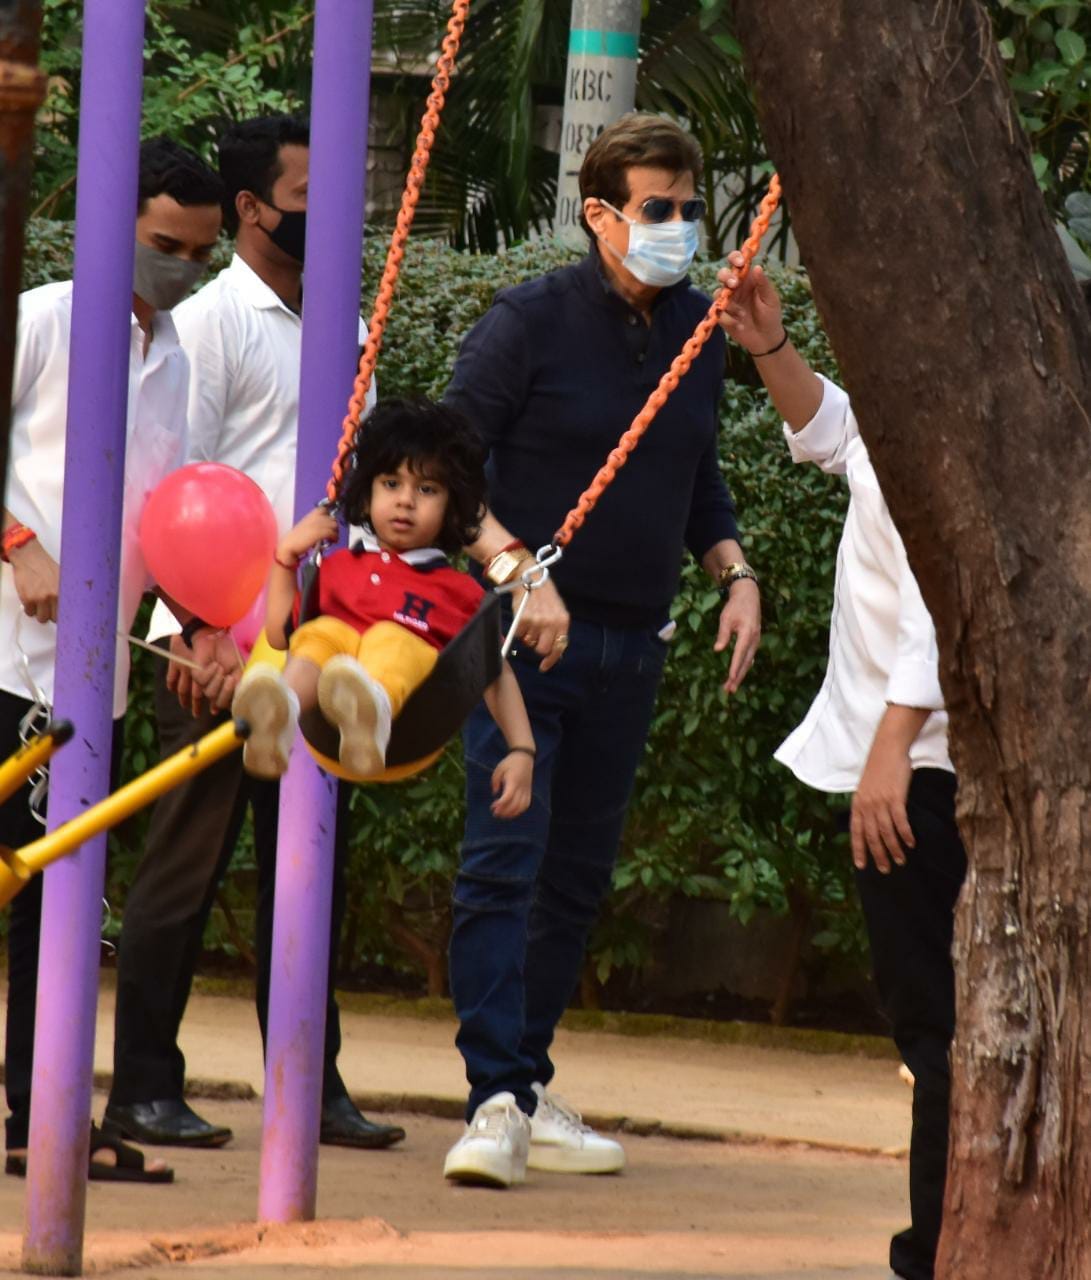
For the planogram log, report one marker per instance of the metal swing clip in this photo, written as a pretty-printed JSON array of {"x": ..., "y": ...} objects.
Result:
[{"x": 530, "y": 580}]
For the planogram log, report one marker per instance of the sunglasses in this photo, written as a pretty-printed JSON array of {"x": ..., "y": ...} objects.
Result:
[{"x": 661, "y": 209}]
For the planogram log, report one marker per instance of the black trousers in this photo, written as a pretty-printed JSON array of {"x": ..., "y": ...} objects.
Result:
[
  {"x": 18, "y": 827},
  {"x": 191, "y": 838},
  {"x": 910, "y": 920}
]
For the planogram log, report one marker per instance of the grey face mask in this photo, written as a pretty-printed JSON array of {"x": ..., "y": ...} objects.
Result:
[{"x": 162, "y": 280}]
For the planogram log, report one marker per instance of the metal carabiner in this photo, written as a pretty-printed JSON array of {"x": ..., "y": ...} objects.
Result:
[{"x": 530, "y": 579}]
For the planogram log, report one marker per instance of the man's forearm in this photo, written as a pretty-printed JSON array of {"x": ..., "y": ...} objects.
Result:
[
  {"x": 899, "y": 728},
  {"x": 492, "y": 539},
  {"x": 793, "y": 386},
  {"x": 720, "y": 555}
]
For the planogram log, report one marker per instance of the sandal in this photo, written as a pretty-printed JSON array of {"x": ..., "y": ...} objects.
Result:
[{"x": 129, "y": 1166}]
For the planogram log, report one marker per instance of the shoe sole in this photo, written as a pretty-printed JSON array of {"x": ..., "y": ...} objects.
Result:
[
  {"x": 131, "y": 1134},
  {"x": 263, "y": 704},
  {"x": 373, "y": 1142},
  {"x": 349, "y": 705},
  {"x": 481, "y": 1175},
  {"x": 549, "y": 1159}
]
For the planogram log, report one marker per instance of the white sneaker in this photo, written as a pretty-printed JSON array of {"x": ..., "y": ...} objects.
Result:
[
  {"x": 493, "y": 1150},
  {"x": 560, "y": 1142},
  {"x": 359, "y": 707},
  {"x": 271, "y": 709}
]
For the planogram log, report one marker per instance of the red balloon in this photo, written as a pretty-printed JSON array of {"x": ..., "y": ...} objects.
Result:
[{"x": 209, "y": 535}]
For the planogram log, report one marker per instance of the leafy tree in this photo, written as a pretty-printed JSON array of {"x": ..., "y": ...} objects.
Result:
[
  {"x": 192, "y": 84},
  {"x": 490, "y": 182}
]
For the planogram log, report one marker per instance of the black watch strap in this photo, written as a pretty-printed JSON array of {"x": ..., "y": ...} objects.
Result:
[{"x": 190, "y": 629}]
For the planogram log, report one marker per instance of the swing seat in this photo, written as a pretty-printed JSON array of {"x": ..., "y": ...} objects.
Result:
[{"x": 436, "y": 709}]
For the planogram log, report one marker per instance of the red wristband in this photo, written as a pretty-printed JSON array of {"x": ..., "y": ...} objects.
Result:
[
  {"x": 15, "y": 536},
  {"x": 516, "y": 544},
  {"x": 290, "y": 567}
]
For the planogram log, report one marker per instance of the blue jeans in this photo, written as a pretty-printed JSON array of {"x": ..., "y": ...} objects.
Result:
[{"x": 530, "y": 888}]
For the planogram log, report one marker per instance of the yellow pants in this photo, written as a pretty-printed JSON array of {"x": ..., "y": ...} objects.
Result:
[{"x": 389, "y": 653}]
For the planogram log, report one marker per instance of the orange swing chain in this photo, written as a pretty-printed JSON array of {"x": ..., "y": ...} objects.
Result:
[
  {"x": 679, "y": 367},
  {"x": 417, "y": 169}
]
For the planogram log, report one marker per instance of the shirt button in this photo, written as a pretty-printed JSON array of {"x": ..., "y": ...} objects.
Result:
[
  {"x": 386, "y": 557},
  {"x": 632, "y": 318},
  {"x": 375, "y": 579}
]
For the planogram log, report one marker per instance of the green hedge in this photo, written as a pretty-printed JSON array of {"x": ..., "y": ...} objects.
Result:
[{"x": 713, "y": 815}]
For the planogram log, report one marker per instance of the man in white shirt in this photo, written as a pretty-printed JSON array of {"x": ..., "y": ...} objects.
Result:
[
  {"x": 878, "y": 729},
  {"x": 178, "y": 222},
  {"x": 242, "y": 333}
]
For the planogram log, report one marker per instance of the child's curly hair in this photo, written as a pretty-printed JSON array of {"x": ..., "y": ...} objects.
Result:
[{"x": 434, "y": 440}]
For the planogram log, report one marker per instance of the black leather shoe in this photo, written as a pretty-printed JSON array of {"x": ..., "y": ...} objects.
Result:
[
  {"x": 168, "y": 1122},
  {"x": 344, "y": 1126}
]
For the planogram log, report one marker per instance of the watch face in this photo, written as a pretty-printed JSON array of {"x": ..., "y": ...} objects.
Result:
[{"x": 501, "y": 567}]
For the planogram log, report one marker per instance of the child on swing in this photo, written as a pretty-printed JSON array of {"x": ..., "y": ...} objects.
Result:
[{"x": 416, "y": 484}]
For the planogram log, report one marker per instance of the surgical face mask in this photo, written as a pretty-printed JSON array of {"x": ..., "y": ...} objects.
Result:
[
  {"x": 290, "y": 233},
  {"x": 161, "y": 279},
  {"x": 660, "y": 253}
]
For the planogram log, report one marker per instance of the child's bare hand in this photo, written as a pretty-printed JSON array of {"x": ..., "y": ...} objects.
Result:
[
  {"x": 511, "y": 784},
  {"x": 316, "y": 526}
]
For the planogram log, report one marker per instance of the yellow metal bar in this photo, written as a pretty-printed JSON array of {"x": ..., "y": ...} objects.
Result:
[
  {"x": 128, "y": 799},
  {"x": 17, "y": 768}
]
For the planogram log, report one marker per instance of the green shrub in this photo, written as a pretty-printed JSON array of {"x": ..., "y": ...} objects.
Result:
[{"x": 713, "y": 815}]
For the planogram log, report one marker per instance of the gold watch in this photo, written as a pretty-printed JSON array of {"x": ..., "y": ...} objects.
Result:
[
  {"x": 732, "y": 572},
  {"x": 506, "y": 565}
]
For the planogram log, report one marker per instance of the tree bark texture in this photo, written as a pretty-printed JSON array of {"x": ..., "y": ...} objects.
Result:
[
  {"x": 965, "y": 346},
  {"x": 22, "y": 88}
]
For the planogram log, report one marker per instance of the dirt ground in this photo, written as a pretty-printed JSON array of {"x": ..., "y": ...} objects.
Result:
[
  {"x": 681, "y": 1209},
  {"x": 759, "y": 1162}
]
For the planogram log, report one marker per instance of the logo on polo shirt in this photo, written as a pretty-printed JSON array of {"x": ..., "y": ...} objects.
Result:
[{"x": 414, "y": 612}]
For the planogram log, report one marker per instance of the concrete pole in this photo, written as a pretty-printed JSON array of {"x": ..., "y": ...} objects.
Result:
[
  {"x": 106, "y": 196},
  {"x": 599, "y": 88},
  {"x": 304, "y": 885}
]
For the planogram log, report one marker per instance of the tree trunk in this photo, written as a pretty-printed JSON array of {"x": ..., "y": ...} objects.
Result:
[
  {"x": 964, "y": 344},
  {"x": 22, "y": 88}
]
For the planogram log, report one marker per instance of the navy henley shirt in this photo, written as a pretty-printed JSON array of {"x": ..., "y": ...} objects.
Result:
[{"x": 551, "y": 376}]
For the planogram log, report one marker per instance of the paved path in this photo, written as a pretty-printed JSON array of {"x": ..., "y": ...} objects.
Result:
[
  {"x": 793, "y": 1196},
  {"x": 686, "y": 1085}
]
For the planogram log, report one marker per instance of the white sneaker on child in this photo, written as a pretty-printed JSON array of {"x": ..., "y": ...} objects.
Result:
[
  {"x": 271, "y": 709},
  {"x": 493, "y": 1150},
  {"x": 359, "y": 707},
  {"x": 560, "y": 1142}
]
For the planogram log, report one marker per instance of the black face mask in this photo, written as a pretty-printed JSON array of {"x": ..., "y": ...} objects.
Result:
[{"x": 290, "y": 233}]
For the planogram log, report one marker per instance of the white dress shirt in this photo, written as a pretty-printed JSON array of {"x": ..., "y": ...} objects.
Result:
[
  {"x": 155, "y": 445},
  {"x": 244, "y": 344},
  {"x": 882, "y": 641}
]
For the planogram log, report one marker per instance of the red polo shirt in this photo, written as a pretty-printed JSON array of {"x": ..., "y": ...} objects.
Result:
[{"x": 430, "y": 599}]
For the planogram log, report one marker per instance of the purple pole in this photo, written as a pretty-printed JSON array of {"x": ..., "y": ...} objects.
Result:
[
  {"x": 304, "y": 885},
  {"x": 106, "y": 196}
]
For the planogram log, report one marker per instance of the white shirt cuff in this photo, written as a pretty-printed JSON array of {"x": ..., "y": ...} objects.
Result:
[
  {"x": 821, "y": 438},
  {"x": 915, "y": 683}
]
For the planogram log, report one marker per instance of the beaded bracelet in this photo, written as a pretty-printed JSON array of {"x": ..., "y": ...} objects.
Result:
[{"x": 15, "y": 536}]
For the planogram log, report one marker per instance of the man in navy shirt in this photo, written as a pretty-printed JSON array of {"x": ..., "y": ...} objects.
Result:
[{"x": 552, "y": 376}]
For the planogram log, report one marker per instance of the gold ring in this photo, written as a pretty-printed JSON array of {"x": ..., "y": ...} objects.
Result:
[{"x": 561, "y": 642}]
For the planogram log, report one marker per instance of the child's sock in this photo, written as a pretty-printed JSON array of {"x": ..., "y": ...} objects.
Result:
[
  {"x": 359, "y": 707},
  {"x": 271, "y": 709}
]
